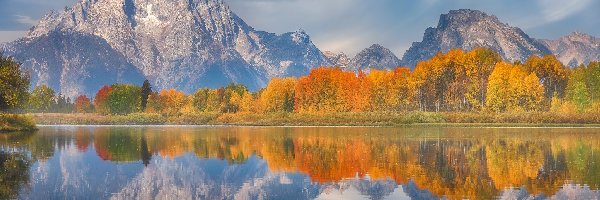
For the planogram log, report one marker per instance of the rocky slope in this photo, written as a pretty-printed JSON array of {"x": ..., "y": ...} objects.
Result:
[
  {"x": 374, "y": 57},
  {"x": 337, "y": 59},
  {"x": 468, "y": 29},
  {"x": 575, "y": 49},
  {"x": 183, "y": 44}
]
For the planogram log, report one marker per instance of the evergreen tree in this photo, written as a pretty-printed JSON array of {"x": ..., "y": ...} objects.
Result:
[{"x": 146, "y": 91}]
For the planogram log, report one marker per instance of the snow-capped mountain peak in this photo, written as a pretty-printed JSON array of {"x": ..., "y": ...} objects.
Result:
[{"x": 183, "y": 44}]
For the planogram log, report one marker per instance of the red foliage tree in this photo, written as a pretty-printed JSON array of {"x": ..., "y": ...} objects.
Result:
[
  {"x": 100, "y": 100},
  {"x": 83, "y": 104}
]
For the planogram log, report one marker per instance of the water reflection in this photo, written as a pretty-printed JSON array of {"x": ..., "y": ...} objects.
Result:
[{"x": 300, "y": 163}]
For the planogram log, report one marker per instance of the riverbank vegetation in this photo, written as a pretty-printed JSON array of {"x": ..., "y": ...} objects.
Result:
[
  {"x": 13, "y": 94},
  {"x": 16, "y": 123},
  {"x": 455, "y": 87},
  {"x": 443, "y": 119}
]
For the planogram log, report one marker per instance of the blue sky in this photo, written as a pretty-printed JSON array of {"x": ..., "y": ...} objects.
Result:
[{"x": 351, "y": 25}]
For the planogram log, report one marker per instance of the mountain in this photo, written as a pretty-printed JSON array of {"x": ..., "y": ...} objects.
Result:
[
  {"x": 374, "y": 57},
  {"x": 204, "y": 44},
  {"x": 337, "y": 59},
  {"x": 575, "y": 49},
  {"x": 468, "y": 29}
]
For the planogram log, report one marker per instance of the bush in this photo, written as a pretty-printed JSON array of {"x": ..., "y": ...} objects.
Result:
[
  {"x": 14, "y": 122},
  {"x": 138, "y": 119}
]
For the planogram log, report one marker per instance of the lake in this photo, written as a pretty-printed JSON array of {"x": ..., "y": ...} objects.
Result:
[{"x": 162, "y": 162}]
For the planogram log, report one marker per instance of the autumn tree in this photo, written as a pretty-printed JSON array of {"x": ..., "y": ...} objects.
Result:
[
  {"x": 100, "y": 101},
  {"x": 200, "y": 99},
  {"x": 154, "y": 104},
  {"x": 249, "y": 102},
  {"x": 83, "y": 104},
  {"x": 172, "y": 101},
  {"x": 498, "y": 90},
  {"x": 42, "y": 99},
  {"x": 214, "y": 102},
  {"x": 231, "y": 100},
  {"x": 124, "y": 99},
  {"x": 279, "y": 95},
  {"x": 391, "y": 90},
  {"x": 551, "y": 72},
  {"x": 442, "y": 82},
  {"x": 329, "y": 90},
  {"x": 480, "y": 63},
  {"x": 14, "y": 84},
  {"x": 532, "y": 95},
  {"x": 511, "y": 88}
]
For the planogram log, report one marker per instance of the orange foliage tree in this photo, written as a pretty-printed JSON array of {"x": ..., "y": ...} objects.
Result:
[
  {"x": 172, "y": 101},
  {"x": 331, "y": 90},
  {"x": 83, "y": 104},
  {"x": 391, "y": 90}
]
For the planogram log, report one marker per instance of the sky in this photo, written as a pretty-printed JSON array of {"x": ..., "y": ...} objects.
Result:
[{"x": 351, "y": 25}]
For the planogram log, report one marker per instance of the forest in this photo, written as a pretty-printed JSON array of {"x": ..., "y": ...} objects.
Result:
[{"x": 458, "y": 81}]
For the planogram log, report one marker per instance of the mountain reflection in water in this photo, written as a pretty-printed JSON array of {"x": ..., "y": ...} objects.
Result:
[{"x": 300, "y": 163}]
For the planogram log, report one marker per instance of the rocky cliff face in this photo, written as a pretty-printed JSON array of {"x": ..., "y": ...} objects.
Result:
[
  {"x": 183, "y": 44},
  {"x": 374, "y": 57},
  {"x": 575, "y": 49},
  {"x": 337, "y": 59},
  {"x": 468, "y": 29}
]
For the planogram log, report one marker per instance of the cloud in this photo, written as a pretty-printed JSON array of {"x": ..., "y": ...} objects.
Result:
[
  {"x": 26, "y": 20},
  {"x": 556, "y": 10}
]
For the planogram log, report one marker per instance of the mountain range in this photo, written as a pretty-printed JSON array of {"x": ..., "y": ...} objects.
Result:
[{"x": 204, "y": 44}]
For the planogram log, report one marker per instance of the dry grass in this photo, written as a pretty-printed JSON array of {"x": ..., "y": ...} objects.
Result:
[{"x": 329, "y": 119}]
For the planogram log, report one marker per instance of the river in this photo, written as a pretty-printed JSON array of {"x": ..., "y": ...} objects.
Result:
[{"x": 170, "y": 162}]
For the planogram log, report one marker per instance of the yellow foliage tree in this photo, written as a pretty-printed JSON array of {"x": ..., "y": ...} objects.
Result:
[
  {"x": 172, "y": 101},
  {"x": 279, "y": 95}
]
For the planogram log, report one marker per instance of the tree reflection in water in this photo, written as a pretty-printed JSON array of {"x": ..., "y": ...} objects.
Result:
[
  {"x": 14, "y": 173},
  {"x": 236, "y": 162}
]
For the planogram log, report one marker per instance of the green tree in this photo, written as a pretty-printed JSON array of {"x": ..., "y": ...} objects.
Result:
[
  {"x": 232, "y": 95},
  {"x": 146, "y": 91},
  {"x": 577, "y": 90},
  {"x": 592, "y": 78},
  {"x": 13, "y": 84},
  {"x": 124, "y": 99},
  {"x": 200, "y": 99},
  {"x": 42, "y": 99},
  {"x": 62, "y": 104}
]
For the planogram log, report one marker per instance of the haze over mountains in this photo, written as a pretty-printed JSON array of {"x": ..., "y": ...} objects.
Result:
[{"x": 205, "y": 44}]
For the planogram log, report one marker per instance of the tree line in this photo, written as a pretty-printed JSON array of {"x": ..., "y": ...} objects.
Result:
[{"x": 456, "y": 81}]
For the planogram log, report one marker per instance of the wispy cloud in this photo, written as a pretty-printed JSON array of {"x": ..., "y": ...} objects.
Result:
[
  {"x": 26, "y": 20},
  {"x": 556, "y": 10}
]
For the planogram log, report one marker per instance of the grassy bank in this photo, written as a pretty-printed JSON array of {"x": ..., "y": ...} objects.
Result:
[
  {"x": 15, "y": 122},
  {"x": 329, "y": 119}
]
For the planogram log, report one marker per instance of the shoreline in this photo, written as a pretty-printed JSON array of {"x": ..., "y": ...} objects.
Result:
[
  {"x": 511, "y": 126},
  {"x": 371, "y": 119}
]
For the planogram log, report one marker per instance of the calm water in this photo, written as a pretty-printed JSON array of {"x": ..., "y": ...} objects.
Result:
[{"x": 300, "y": 163}]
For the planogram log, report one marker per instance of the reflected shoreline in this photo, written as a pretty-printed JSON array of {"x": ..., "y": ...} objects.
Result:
[{"x": 443, "y": 162}]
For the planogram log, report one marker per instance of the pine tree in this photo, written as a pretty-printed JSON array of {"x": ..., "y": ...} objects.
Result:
[{"x": 146, "y": 91}]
